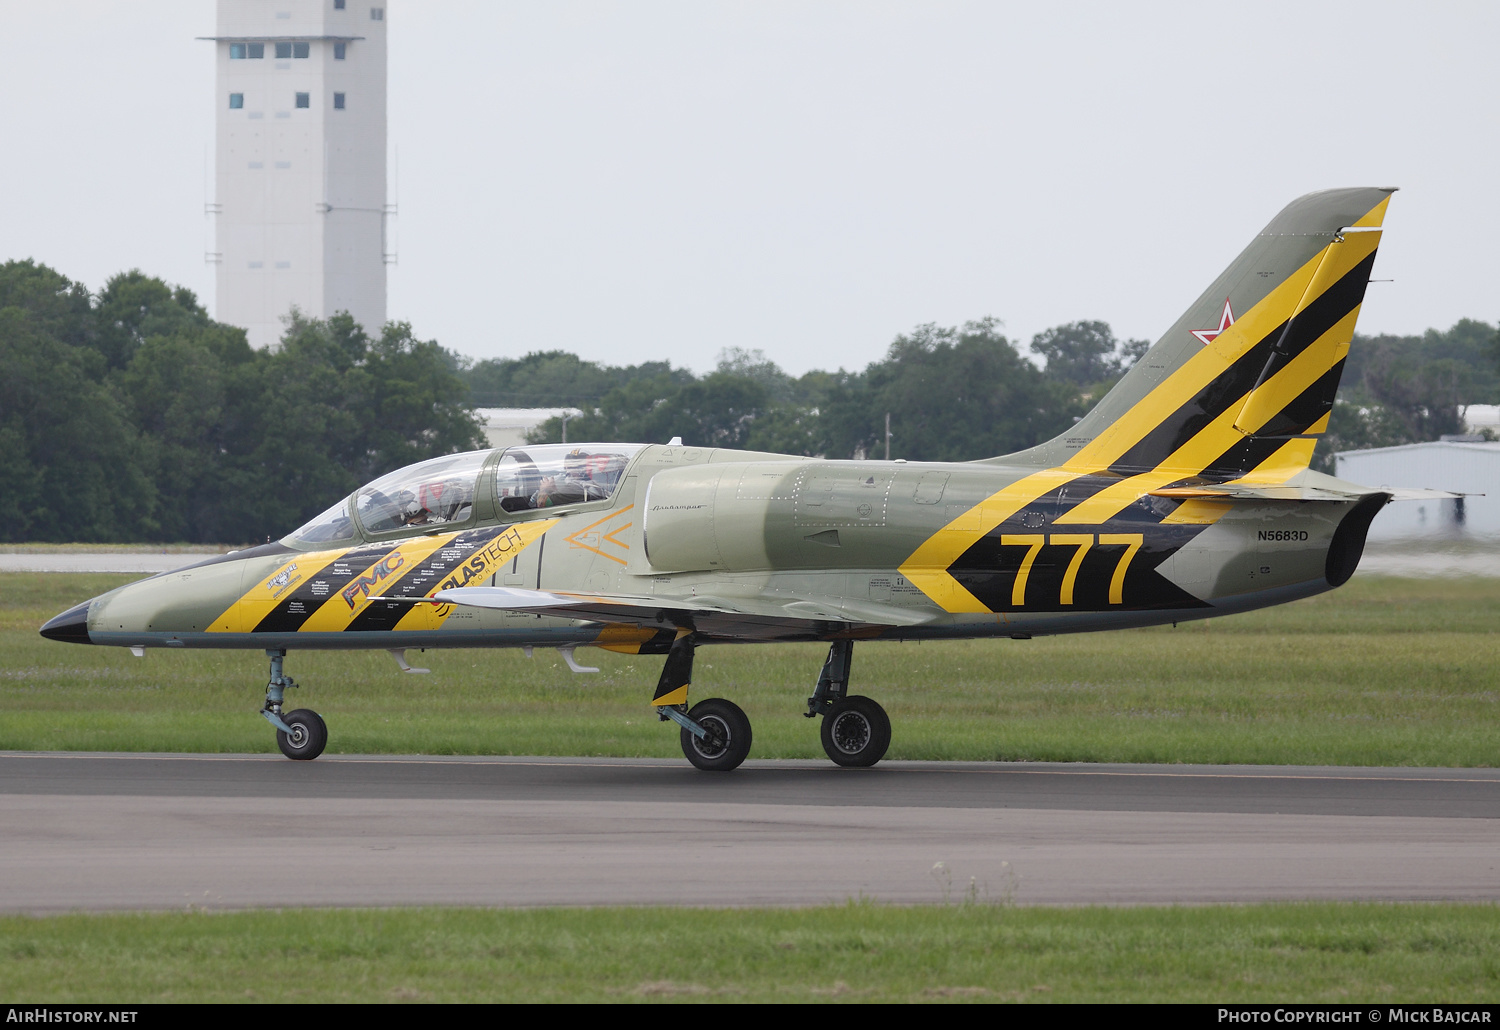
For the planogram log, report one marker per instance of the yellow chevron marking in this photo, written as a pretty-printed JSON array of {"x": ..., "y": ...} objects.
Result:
[
  {"x": 1297, "y": 375},
  {"x": 341, "y": 609},
  {"x": 1198, "y": 371},
  {"x": 1132, "y": 542},
  {"x": 1034, "y": 541},
  {"x": 1290, "y": 458},
  {"x": 674, "y": 697},
  {"x": 927, "y": 567},
  {"x": 1083, "y": 541},
  {"x": 1213, "y": 440},
  {"x": 623, "y": 638},
  {"x": 1375, "y": 217},
  {"x": 579, "y": 539},
  {"x": 1200, "y": 511},
  {"x": 1339, "y": 260},
  {"x": 485, "y": 561},
  {"x": 256, "y": 603}
]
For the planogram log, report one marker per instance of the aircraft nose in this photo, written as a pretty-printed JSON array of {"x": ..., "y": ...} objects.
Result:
[{"x": 72, "y": 626}]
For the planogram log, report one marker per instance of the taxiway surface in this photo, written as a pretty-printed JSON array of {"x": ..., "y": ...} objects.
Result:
[{"x": 109, "y": 831}]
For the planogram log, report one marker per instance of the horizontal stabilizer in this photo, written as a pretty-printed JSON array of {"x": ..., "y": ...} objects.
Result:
[{"x": 1304, "y": 486}]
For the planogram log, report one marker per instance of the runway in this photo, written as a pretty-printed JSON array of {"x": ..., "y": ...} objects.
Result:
[{"x": 101, "y": 831}]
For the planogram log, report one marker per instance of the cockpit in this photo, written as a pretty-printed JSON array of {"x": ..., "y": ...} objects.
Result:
[{"x": 458, "y": 490}]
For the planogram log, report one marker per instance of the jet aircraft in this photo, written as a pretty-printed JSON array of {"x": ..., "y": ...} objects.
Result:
[{"x": 1184, "y": 494}]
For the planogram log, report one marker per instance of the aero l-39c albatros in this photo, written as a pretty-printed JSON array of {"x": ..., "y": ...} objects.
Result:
[{"x": 1185, "y": 494}]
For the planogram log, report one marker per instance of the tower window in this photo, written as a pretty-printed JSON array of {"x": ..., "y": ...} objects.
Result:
[
  {"x": 300, "y": 49},
  {"x": 304, "y": 100},
  {"x": 338, "y": 5},
  {"x": 257, "y": 51},
  {"x": 377, "y": 14},
  {"x": 338, "y": 51},
  {"x": 283, "y": 51},
  {"x": 236, "y": 51},
  {"x": 240, "y": 51},
  {"x": 338, "y": 101},
  {"x": 236, "y": 101}
]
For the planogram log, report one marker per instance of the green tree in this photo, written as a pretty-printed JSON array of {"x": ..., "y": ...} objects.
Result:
[
  {"x": 336, "y": 409},
  {"x": 70, "y": 460},
  {"x": 953, "y": 394},
  {"x": 546, "y": 379},
  {"x": 1086, "y": 354}
]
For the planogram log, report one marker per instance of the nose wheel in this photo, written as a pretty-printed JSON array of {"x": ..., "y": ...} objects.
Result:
[
  {"x": 301, "y": 734},
  {"x": 308, "y": 736}
]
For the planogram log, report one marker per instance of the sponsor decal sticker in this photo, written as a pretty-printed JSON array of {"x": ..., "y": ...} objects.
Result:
[
  {"x": 279, "y": 583},
  {"x": 483, "y": 561},
  {"x": 362, "y": 586}
]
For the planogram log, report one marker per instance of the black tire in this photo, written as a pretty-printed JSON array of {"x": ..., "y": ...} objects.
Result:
[
  {"x": 729, "y": 736},
  {"x": 856, "y": 732},
  {"x": 308, "y": 738}
]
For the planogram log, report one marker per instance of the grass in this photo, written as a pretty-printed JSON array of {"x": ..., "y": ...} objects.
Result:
[
  {"x": 1356, "y": 953},
  {"x": 1381, "y": 672}
]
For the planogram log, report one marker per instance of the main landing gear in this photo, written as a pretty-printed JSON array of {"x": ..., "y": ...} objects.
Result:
[
  {"x": 856, "y": 731},
  {"x": 301, "y": 734},
  {"x": 716, "y": 734}
]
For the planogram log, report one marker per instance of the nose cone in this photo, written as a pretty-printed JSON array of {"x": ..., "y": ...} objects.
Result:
[{"x": 72, "y": 626}]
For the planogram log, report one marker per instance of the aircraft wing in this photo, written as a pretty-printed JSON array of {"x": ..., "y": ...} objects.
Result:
[{"x": 736, "y": 616}]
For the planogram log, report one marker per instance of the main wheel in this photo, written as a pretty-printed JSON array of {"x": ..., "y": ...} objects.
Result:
[
  {"x": 308, "y": 738},
  {"x": 728, "y": 740},
  {"x": 856, "y": 731}
]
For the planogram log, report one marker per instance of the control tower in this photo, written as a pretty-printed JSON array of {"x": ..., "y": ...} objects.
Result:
[{"x": 300, "y": 171}]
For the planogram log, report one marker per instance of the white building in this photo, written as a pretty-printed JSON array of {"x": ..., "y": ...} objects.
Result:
[
  {"x": 507, "y": 427},
  {"x": 300, "y": 170},
  {"x": 1471, "y": 468}
]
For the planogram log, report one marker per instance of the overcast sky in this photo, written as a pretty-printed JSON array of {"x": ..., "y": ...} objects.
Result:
[{"x": 643, "y": 180}]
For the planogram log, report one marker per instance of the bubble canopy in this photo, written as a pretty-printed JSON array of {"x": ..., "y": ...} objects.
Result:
[
  {"x": 430, "y": 493},
  {"x": 442, "y": 491},
  {"x": 554, "y": 475}
]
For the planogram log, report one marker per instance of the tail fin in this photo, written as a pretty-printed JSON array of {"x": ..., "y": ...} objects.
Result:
[{"x": 1242, "y": 385}]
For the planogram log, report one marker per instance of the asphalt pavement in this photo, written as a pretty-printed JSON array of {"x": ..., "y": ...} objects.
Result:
[{"x": 111, "y": 831}]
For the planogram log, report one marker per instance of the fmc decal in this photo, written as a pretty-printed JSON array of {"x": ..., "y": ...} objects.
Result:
[{"x": 379, "y": 571}]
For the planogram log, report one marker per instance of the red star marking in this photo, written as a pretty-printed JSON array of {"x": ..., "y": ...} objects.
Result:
[{"x": 1206, "y": 336}]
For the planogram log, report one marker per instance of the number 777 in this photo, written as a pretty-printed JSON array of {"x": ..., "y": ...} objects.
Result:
[{"x": 1034, "y": 542}]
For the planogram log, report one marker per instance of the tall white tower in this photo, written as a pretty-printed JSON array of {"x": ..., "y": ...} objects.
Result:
[{"x": 300, "y": 173}]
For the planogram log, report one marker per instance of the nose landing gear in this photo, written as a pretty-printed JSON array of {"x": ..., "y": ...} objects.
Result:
[{"x": 300, "y": 734}]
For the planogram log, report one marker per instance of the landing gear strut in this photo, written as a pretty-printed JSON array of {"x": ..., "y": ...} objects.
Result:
[
  {"x": 716, "y": 733},
  {"x": 856, "y": 731},
  {"x": 300, "y": 734}
]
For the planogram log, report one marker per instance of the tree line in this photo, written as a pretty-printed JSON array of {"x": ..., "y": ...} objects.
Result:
[
  {"x": 131, "y": 415},
  {"x": 957, "y": 394},
  {"x": 952, "y": 394}
]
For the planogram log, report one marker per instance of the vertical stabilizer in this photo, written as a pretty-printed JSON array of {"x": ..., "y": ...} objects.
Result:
[{"x": 1243, "y": 383}]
